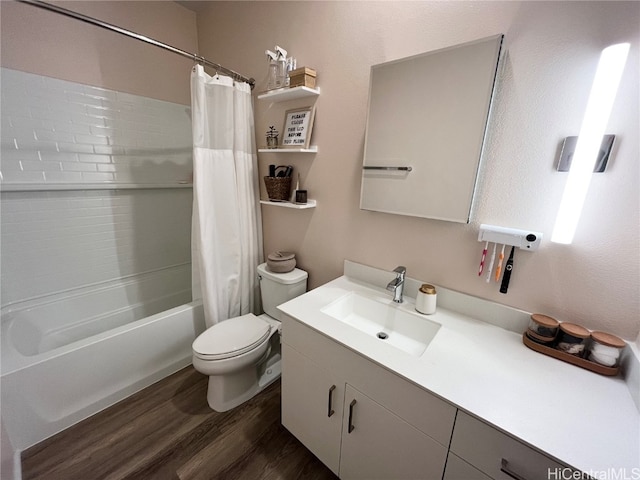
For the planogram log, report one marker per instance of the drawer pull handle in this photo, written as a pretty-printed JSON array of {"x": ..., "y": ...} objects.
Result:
[
  {"x": 401, "y": 169},
  {"x": 504, "y": 468},
  {"x": 330, "y": 410},
  {"x": 351, "y": 405}
]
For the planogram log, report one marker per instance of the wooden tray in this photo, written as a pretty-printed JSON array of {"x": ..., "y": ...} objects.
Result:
[{"x": 566, "y": 357}]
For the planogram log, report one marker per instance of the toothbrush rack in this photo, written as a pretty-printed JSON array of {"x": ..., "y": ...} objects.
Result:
[{"x": 523, "y": 239}]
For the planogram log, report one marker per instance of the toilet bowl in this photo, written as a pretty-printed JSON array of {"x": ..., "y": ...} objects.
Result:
[{"x": 241, "y": 355}]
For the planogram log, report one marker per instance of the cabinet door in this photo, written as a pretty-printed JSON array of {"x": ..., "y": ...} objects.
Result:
[
  {"x": 377, "y": 444},
  {"x": 312, "y": 402}
]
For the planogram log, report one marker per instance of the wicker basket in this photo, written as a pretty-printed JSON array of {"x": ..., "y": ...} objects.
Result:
[{"x": 278, "y": 188}]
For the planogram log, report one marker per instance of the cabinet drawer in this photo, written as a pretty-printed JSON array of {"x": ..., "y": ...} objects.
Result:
[{"x": 498, "y": 455}]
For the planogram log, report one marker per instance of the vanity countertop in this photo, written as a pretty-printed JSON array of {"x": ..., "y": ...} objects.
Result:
[{"x": 583, "y": 419}]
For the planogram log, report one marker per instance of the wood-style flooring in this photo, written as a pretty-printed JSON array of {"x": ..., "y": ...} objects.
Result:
[{"x": 167, "y": 431}]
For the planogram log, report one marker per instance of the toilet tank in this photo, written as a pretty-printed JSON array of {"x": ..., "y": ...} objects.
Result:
[{"x": 277, "y": 288}]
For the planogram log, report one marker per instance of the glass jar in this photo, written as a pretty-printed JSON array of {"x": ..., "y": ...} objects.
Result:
[
  {"x": 572, "y": 339},
  {"x": 605, "y": 349},
  {"x": 542, "y": 329}
]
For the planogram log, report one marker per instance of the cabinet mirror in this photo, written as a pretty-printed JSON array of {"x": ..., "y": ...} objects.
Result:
[{"x": 426, "y": 125}]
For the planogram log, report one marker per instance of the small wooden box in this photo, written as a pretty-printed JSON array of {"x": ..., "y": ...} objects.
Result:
[{"x": 303, "y": 76}]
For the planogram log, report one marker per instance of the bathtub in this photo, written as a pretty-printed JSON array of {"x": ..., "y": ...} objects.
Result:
[{"x": 68, "y": 356}]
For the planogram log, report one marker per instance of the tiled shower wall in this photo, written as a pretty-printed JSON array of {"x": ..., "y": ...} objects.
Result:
[
  {"x": 93, "y": 185},
  {"x": 54, "y": 131}
]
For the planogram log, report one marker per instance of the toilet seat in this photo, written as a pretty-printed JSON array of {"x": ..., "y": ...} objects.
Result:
[{"x": 231, "y": 338}]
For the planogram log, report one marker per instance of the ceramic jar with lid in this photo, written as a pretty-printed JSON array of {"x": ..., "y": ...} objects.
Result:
[
  {"x": 426, "y": 299},
  {"x": 281, "y": 262},
  {"x": 542, "y": 328},
  {"x": 605, "y": 349},
  {"x": 572, "y": 339}
]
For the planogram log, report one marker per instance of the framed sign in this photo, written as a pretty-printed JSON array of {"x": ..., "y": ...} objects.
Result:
[{"x": 298, "y": 124}]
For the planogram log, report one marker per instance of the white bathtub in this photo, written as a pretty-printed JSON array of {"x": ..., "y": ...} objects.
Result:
[{"x": 70, "y": 355}]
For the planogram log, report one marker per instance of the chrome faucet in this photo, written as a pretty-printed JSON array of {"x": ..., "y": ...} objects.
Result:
[{"x": 397, "y": 284}]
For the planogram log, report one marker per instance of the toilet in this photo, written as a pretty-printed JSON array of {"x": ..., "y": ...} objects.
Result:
[{"x": 241, "y": 355}]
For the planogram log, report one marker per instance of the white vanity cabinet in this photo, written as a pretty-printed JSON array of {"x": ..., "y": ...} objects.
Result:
[
  {"x": 358, "y": 418},
  {"x": 462, "y": 401}
]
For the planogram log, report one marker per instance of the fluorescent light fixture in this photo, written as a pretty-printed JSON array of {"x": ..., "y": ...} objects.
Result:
[{"x": 596, "y": 117}]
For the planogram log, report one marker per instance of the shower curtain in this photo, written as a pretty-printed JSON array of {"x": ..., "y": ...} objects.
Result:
[{"x": 226, "y": 231}]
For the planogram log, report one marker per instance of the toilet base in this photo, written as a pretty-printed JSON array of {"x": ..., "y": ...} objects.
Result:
[
  {"x": 225, "y": 392},
  {"x": 270, "y": 371}
]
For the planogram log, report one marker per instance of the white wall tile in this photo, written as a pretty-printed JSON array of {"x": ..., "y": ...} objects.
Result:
[
  {"x": 75, "y": 147},
  {"x": 63, "y": 177},
  {"x": 79, "y": 167},
  {"x": 97, "y": 177},
  {"x": 72, "y": 128},
  {"x": 39, "y": 166},
  {"x": 60, "y": 156},
  {"x": 93, "y": 158},
  {"x": 22, "y": 177}
]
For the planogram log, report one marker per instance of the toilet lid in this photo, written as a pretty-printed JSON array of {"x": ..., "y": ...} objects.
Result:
[{"x": 231, "y": 337}]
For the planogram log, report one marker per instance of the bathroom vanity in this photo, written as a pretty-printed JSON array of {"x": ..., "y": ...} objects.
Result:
[{"x": 453, "y": 395}]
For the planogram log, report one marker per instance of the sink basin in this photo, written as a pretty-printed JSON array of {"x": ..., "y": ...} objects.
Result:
[{"x": 407, "y": 331}]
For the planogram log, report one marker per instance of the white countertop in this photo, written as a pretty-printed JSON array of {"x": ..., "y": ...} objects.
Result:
[{"x": 585, "y": 420}]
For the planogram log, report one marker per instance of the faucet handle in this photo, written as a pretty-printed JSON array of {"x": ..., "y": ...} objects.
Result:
[{"x": 400, "y": 269}]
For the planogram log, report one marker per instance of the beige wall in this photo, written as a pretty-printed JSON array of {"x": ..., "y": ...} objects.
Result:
[
  {"x": 552, "y": 52},
  {"x": 46, "y": 43}
]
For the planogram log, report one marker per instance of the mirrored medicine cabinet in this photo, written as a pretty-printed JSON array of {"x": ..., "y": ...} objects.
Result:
[{"x": 426, "y": 125}]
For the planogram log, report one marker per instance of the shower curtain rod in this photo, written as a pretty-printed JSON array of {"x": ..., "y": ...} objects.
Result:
[{"x": 137, "y": 36}]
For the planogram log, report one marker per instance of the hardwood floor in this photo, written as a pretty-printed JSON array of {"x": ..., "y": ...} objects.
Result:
[{"x": 168, "y": 431}]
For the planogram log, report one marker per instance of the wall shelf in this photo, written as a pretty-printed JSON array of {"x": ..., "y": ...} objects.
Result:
[
  {"x": 285, "y": 94},
  {"x": 311, "y": 149},
  {"x": 297, "y": 206}
]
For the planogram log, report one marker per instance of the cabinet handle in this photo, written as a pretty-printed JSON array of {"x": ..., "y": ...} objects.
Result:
[
  {"x": 504, "y": 468},
  {"x": 330, "y": 410},
  {"x": 351, "y": 405},
  {"x": 402, "y": 169}
]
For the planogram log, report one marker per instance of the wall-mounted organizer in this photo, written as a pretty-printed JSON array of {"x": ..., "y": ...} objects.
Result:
[
  {"x": 522, "y": 239},
  {"x": 285, "y": 95}
]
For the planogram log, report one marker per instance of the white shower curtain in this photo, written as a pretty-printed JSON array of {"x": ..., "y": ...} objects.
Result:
[{"x": 226, "y": 231}]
